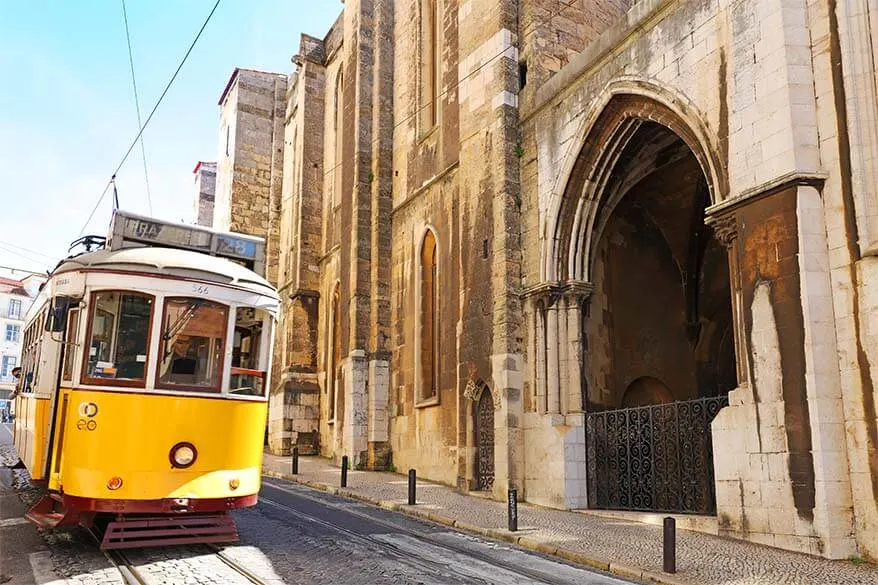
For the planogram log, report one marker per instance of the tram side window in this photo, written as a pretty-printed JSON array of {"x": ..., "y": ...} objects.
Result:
[
  {"x": 119, "y": 337},
  {"x": 72, "y": 341},
  {"x": 248, "y": 371},
  {"x": 192, "y": 345},
  {"x": 31, "y": 354}
]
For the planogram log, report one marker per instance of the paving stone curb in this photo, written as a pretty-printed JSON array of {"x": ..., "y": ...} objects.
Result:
[{"x": 624, "y": 571}]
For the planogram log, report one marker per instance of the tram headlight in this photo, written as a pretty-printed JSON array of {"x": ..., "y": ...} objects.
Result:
[
  {"x": 183, "y": 455},
  {"x": 114, "y": 483}
]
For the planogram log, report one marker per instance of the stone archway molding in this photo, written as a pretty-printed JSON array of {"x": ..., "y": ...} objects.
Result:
[
  {"x": 623, "y": 100},
  {"x": 473, "y": 391}
]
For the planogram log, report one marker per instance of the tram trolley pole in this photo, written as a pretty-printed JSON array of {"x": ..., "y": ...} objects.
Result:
[
  {"x": 412, "y": 486},
  {"x": 296, "y": 460},
  {"x": 670, "y": 545},
  {"x": 344, "y": 471},
  {"x": 512, "y": 509}
]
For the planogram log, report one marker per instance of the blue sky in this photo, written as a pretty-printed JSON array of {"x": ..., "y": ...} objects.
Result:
[{"x": 67, "y": 107}]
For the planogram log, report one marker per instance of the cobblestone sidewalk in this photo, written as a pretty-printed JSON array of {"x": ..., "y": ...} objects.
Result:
[{"x": 629, "y": 549}]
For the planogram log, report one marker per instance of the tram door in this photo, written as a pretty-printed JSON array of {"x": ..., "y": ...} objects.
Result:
[{"x": 41, "y": 357}]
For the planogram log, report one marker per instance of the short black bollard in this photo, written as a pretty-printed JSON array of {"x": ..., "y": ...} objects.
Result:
[
  {"x": 512, "y": 501},
  {"x": 344, "y": 471},
  {"x": 295, "y": 461},
  {"x": 412, "y": 486},
  {"x": 670, "y": 546}
]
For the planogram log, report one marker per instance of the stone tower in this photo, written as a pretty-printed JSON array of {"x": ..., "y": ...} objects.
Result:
[
  {"x": 250, "y": 164},
  {"x": 205, "y": 191}
]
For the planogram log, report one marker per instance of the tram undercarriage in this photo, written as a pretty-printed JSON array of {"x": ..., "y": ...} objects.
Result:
[{"x": 132, "y": 523}]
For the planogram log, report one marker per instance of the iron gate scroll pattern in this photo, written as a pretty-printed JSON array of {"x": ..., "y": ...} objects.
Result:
[
  {"x": 653, "y": 458},
  {"x": 485, "y": 441}
]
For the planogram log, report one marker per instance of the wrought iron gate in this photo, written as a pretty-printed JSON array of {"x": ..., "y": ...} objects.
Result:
[
  {"x": 657, "y": 458},
  {"x": 484, "y": 420}
]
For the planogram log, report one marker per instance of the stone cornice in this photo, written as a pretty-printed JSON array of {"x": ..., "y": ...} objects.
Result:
[
  {"x": 539, "y": 289},
  {"x": 415, "y": 194},
  {"x": 303, "y": 293},
  {"x": 792, "y": 179}
]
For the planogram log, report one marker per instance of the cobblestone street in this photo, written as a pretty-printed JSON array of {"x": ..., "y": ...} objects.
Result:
[
  {"x": 294, "y": 535},
  {"x": 627, "y": 548}
]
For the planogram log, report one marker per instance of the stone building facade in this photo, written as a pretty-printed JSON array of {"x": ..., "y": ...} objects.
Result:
[
  {"x": 205, "y": 191},
  {"x": 514, "y": 233}
]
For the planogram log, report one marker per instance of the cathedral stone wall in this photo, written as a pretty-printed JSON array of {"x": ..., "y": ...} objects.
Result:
[
  {"x": 545, "y": 147},
  {"x": 760, "y": 111}
]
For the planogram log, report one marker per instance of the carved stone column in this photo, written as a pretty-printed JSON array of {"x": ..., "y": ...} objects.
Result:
[
  {"x": 726, "y": 230},
  {"x": 574, "y": 295},
  {"x": 553, "y": 381},
  {"x": 540, "y": 318}
]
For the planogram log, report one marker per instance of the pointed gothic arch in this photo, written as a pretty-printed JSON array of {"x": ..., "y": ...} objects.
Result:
[
  {"x": 428, "y": 318},
  {"x": 334, "y": 357},
  {"x": 620, "y": 111},
  {"x": 485, "y": 403}
]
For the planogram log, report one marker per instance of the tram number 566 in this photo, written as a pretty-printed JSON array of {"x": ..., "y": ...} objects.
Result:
[{"x": 200, "y": 289}]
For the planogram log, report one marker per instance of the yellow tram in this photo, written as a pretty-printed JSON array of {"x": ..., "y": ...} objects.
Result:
[{"x": 143, "y": 396}]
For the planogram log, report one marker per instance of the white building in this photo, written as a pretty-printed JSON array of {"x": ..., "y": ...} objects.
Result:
[{"x": 16, "y": 297}]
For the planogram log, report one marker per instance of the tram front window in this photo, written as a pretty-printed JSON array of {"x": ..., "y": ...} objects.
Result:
[
  {"x": 192, "y": 345},
  {"x": 119, "y": 337}
]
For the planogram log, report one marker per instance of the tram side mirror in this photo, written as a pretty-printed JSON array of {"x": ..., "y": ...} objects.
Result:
[{"x": 57, "y": 321}]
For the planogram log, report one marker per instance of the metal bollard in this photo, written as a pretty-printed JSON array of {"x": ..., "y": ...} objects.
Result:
[
  {"x": 344, "y": 471},
  {"x": 412, "y": 486},
  {"x": 512, "y": 502},
  {"x": 295, "y": 461},
  {"x": 670, "y": 546}
]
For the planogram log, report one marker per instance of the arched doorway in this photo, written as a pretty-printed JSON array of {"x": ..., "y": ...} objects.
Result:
[
  {"x": 660, "y": 278},
  {"x": 483, "y": 419},
  {"x": 658, "y": 361}
]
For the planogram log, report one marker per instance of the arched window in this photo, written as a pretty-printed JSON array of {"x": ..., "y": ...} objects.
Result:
[
  {"x": 334, "y": 353},
  {"x": 338, "y": 132},
  {"x": 431, "y": 77},
  {"x": 429, "y": 318}
]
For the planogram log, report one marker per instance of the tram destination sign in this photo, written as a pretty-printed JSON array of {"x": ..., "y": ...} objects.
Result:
[
  {"x": 130, "y": 230},
  {"x": 145, "y": 230}
]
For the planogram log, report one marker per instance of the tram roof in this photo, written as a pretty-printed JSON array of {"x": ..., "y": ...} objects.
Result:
[{"x": 170, "y": 262}]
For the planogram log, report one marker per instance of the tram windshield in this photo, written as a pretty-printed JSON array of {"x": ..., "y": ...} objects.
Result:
[
  {"x": 192, "y": 345},
  {"x": 248, "y": 357},
  {"x": 202, "y": 346},
  {"x": 119, "y": 337}
]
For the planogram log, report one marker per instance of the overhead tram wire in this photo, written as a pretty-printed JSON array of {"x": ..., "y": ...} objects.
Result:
[
  {"x": 137, "y": 106},
  {"x": 149, "y": 118},
  {"x": 21, "y": 255},
  {"x": 460, "y": 82},
  {"x": 16, "y": 269},
  {"x": 11, "y": 245}
]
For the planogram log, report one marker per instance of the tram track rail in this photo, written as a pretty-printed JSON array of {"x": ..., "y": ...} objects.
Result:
[
  {"x": 235, "y": 565},
  {"x": 129, "y": 573},
  {"x": 536, "y": 575},
  {"x": 132, "y": 575}
]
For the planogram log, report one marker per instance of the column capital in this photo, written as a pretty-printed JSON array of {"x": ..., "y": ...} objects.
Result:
[
  {"x": 725, "y": 227},
  {"x": 577, "y": 290},
  {"x": 552, "y": 291}
]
